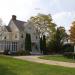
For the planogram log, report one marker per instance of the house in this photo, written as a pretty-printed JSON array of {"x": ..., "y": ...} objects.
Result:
[{"x": 12, "y": 37}]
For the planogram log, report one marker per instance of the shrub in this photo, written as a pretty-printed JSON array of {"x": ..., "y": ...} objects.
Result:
[
  {"x": 68, "y": 48},
  {"x": 21, "y": 52},
  {"x": 27, "y": 52},
  {"x": 6, "y": 52},
  {"x": 70, "y": 55}
]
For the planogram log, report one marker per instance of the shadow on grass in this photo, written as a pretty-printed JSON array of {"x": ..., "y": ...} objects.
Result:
[{"x": 6, "y": 71}]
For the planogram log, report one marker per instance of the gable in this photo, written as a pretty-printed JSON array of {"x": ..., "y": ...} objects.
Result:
[
  {"x": 16, "y": 25},
  {"x": 13, "y": 27},
  {"x": 19, "y": 24}
]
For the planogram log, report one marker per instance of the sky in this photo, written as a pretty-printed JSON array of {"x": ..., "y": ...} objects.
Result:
[{"x": 62, "y": 11}]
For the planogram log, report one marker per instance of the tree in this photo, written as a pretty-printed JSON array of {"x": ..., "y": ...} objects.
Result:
[
  {"x": 28, "y": 43},
  {"x": 57, "y": 40},
  {"x": 44, "y": 45},
  {"x": 72, "y": 32},
  {"x": 43, "y": 23},
  {"x": 41, "y": 44}
]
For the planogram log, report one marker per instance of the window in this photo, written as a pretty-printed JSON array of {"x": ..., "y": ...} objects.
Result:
[
  {"x": 21, "y": 45},
  {"x": 29, "y": 27},
  {"x": 34, "y": 33},
  {"x": 5, "y": 37},
  {"x": 15, "y": 36},
  {"x": 14, "y": 46},
  {"x": 36, "y": 37},
  {"x": 22, "y": 36},
  {"x": 36, "y": 47}
]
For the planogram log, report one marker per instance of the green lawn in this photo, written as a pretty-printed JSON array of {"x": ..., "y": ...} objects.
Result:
[
  {"x": 57, "y": 58},
  {"x": 11, "y": 66}
]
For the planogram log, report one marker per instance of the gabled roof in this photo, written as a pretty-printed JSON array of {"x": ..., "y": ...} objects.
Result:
[{"x": 19, "y": 24}]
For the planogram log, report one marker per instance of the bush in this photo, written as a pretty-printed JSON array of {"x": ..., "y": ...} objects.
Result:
[
  {"x": 70, "y": 55},
  {"x": 6, "y": 52},
  {"x": 21, "y": 52},
  {"x": 68, "y": 48},
  {"x": 27, "y": 52}
]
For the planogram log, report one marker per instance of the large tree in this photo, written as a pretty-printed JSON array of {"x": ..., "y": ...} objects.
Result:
[
  {"x": 43, "y": 23},
  {"x": 72, "y": 32},
  {"x": 57, "y": 40}
]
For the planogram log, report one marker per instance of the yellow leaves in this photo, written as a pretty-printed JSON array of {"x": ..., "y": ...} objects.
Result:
[
  {"x": 72, "y": 32},
  {"x": 43, "y": 23}
]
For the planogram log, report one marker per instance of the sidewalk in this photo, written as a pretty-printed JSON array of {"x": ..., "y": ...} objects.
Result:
[{"x": 50, "y": 62}]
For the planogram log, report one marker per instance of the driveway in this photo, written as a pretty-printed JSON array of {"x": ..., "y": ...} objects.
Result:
[{"x": 49, "y": 62}]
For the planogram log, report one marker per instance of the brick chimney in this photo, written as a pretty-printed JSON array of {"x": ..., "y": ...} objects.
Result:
[{"x": 13, "y": 17}]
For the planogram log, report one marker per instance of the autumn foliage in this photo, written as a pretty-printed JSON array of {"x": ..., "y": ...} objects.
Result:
[{"x": 72, "y": 32}]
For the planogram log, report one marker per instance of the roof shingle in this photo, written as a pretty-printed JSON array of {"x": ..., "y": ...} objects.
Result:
[{"x": 19, "y": 24}]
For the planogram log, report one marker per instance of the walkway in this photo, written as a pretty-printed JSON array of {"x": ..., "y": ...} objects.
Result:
[{"x": 50, "y": 62}]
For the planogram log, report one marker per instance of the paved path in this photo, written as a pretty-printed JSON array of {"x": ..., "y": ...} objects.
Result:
[{"x": 50, "y": 62}]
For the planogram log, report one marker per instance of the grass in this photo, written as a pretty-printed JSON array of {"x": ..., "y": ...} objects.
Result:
[
  {"x": 11, "y": 66},
  {"x": 58, "y": 58}
]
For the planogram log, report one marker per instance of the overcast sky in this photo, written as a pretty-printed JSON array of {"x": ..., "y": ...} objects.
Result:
[{"x": 62, "y": 11}]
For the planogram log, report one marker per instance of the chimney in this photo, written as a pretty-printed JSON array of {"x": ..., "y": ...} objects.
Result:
[{"x": 13, "y": 17}]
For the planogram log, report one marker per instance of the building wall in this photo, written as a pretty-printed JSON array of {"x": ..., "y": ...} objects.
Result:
[
  {"x": 18, "y": 37},
  {"x": 35, "y": 38}
]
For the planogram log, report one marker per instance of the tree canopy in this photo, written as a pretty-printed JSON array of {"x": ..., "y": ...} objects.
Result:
[
  {"x": 58, "y": 39},
  {"x": 72, "y": 32},
  {"x": 43, "y": 23}
]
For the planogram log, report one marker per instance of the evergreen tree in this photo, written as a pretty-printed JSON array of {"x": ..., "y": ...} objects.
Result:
[
  {"x": 28, "y": 43},
  {"x": 44, "y": 45},
  {"x": 41, "y": 44},
  {"x": 57, "y": 40}
]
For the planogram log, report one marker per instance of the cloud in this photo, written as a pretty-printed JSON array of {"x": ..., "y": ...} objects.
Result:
[
  {"x": 22, "y": 8},
  {"x": 62, "y": 10},
  {"x": 64, "y": 19}
]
